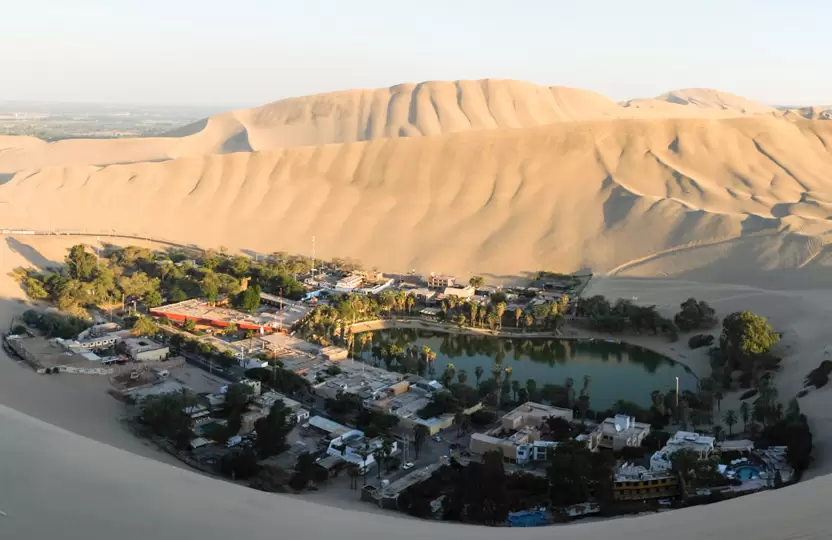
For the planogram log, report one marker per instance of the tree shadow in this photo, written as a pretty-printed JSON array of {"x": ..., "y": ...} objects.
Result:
[{"x": 32, "y": 255}]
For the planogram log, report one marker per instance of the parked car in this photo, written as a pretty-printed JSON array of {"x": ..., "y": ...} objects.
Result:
[
  {"x": 406, "y": 466},
  {"x": 437, "y": 438}
]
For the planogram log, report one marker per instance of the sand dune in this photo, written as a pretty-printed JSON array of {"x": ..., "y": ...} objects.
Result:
[
  {"x": 568, "y": 196},
  {"x": 698, "y": 100},
  {"x": 405, "y": 110}
]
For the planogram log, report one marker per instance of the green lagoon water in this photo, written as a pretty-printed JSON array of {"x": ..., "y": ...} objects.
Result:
[{"x": 619, "y": 371}]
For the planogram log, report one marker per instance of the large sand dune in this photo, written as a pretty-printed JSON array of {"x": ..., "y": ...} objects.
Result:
[
  {"x": 405, "y": 110},
  {"x": 599, "y": 195}
]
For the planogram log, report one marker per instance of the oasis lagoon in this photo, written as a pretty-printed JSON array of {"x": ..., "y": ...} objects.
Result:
[{"x": 618, "y": 371}]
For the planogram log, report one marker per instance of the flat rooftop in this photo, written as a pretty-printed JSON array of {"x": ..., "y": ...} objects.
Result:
[
  {"x": 196, "y": 308},
  {"x": 46, "y": 354}
]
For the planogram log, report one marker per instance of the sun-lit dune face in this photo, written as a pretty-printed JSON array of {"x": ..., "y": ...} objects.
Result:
[
  {"x": 405, "y": 110},
  {"x": 594, "y": 194}
]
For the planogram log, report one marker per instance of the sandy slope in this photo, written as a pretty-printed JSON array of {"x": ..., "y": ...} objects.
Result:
[
  {"x": 405, "y": 110},
  {"x": 735, "y": 200}
]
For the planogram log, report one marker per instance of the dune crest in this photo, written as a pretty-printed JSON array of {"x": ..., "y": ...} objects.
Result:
[{"x": 405, "y": 110}]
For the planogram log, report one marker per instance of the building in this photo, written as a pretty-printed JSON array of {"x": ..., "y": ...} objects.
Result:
[
  {"x": 521, "y": 447},
  {"x": 353, "y": 447},
  {"x": 440, "y": 281},
  {"x": 334, "y": 354},
  {"x": 532, "y": 414},
  {"x": 142, "y": 349},
  {"x": 638, "y": 484},
  {"x": 377, "y": 288},
  {"x": 327, "y": 426},
  {"x": 617, "y": 432},
  {"x": 701, "y": 444},
  {"x": 261, "y": 406},
  {"x": 253, "y": 383},
  {"x": 422, "y": 294},
  {"x": 405, "y": 400},
  {"x": 460, "y": 292},
  {"x": 347, "y": 284},
  {"x": 213, "y": 314}
]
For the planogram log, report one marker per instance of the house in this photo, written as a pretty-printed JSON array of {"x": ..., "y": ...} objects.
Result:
[
  {"x": 355, "y": 448},
  {"x": 532, "y": 414},
  {"x": 348, "y": 283},
  {"x": 334, "y": 354},
  {"x": 422, "y": 294},
  {"x": 262, "y": 405},
  {"x": 637, "y": 484},
  {"x": 701, "y": 444},
  {"x": 142, "y": 349},
  {"x": 460, "y": 292},
  {"x": 617, "y": 432},
  {"x": 440, "y": 281}
]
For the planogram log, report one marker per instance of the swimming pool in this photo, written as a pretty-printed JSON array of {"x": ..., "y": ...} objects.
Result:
[{"x": 748, "y": 472}]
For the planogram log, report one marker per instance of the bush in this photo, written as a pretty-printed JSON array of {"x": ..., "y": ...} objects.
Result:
[
  {"x": 483, "y": 418},
  {"x": 819, "y": 376},
  {"x": 700, "y": 340},
  {"x": 749, "y": 394}
]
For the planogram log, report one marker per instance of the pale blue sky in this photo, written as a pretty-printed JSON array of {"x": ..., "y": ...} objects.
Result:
[{"x": 248, "y": 52}]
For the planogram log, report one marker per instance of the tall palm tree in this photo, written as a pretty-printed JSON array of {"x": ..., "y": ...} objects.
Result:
[
  {"x": 462, "y": 376},
  {"x": 718, "y": 395},
  {"x": 474, "y": 312},
  {"x": 515, "y": 388},
  {"x": 500, "y": 309},
  {"x": 730, "y": 418},
  {"x": 745, "y": 414},
  {"x": 420, "y": 435},
  {"x": 518, "y": 314},
  {"x": 478, "y": 371}
]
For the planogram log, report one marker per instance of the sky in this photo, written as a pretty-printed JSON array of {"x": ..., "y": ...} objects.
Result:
[{"x": 240, "y": 53}]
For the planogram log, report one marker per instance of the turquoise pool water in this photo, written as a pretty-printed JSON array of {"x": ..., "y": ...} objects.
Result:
[{"x": 748, "y": 472}]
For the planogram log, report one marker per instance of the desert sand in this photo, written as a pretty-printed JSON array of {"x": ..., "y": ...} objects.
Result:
[
  {"x": 694, "y": 193},
  {"x": 405, "y": 110}
]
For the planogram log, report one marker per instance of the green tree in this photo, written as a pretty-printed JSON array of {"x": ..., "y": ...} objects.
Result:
[
  {"x": 382, "y": 453},
  {"x": 139, "y": 284},
  {"x": 238, "y": 395},
  {"x": 515, "y": 388},
  {"x": 144, "y": 326},
  {"x": 80, "y": 264},
  {"x": 730, "y": 419},
  {"x": 518, "y": 314},
  {"x": 35, "y": 290},
  {"x": 162, "y": 414},
  {"x": 272, "y": 430},
  {"x": 462, "y": 376},
  {"x": 531, "y": 388},
  {"x": 745, "y": 414},
  {"x": 744, "y": 333},
  {"x": 476, "y": 281},
  {"x": 210, "y": 286},
  {"x": 500, "y": 309},
  {"x": 152, "y": 299},
  {"x": 420, "y": 435},
  {"x": 249, "y": 299}
]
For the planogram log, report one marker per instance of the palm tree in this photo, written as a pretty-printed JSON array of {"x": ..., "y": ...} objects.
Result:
[
  {"x": 730, "y": 418},
  {"x": 515, "y": 388},
  {"x": 518, "y": 314},
  {"x": 462, "y": 376},
  {"x": 531, "y": 389},
  {"x": 458, "y": 419},
  {"x": 474, "y": 312},
  {"x": 500, "y": 309},
  {"x": 410, "y": 303},
  {"x": 745, "y": 414},
  {"x": 718, "y": 397},
  {"x": 529, "y": 321},
  {"x": 717, "y": 431},
  {"x": 478, "y": 371},
  {"x": 508, "y": 372},
  {"x": 476, "y": 282}
]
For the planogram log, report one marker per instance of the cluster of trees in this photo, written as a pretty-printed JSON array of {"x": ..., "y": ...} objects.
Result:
[
  {"x": 348, "y": 408},
  {"x": 279, "y": 379},
  {"x": 546, "y": 315},
  {"x": 481, "y": 493},
  {"x": 695, "y": 315},
  {"x": 604, "y": 316},
  {"x": 142, "y": 275},
  {"x": 745, "y": 346},
  {"x": 55, "y": 324}
]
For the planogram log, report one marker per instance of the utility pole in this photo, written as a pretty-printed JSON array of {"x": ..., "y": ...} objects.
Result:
[{"x": 313, "y": 257}]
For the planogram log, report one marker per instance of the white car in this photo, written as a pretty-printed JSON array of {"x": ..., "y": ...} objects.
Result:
[
  {"x": 406, "y": 466},
  {"x": 437, "y": 438}
]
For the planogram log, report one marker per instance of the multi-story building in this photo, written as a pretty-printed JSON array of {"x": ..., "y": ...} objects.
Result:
[
  {"x": 349, "y": 283},
  {"x": 533, "y": 415},
  {"x": 355, "y": 448},
  {"x": 440, "y": 281},
  {"x": 701, "y": 444},
  {"x": 617, "y": 432},
  {"x": 637, "y": 484}
]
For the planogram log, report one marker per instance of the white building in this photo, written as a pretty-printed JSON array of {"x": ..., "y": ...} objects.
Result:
[
  {"x": 460, "y": 292},
  {"x": 701, "y": 444},
  {"x": 617, "y": 432},
  {"x": 352, "y": 444},
  {"x": 348, "y": 283}
]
